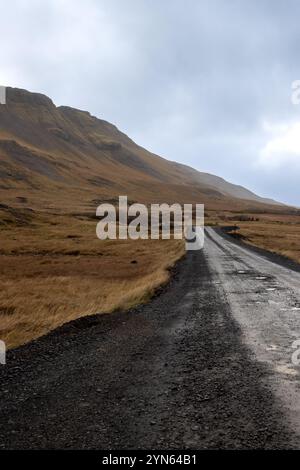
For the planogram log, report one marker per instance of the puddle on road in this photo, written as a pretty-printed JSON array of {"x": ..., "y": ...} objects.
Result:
[
  {"x": 285, "y": 369},
  {"x": 272, "y": 347},
  {"x": 290, "y": 309}
]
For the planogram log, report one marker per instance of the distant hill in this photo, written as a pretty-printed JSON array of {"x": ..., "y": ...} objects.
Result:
[{"x": 60, "y": 158}]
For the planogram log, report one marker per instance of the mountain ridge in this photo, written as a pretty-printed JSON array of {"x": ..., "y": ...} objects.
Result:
[{"x": 47, "y": 150}]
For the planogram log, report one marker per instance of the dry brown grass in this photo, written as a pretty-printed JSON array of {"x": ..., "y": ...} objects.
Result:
[
  {"x": 278, "y": 233},
  {"x": 279, "y": 236},
  {"x": 58, "y": 271}
]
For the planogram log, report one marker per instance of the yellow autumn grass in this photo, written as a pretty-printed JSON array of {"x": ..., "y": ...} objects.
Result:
[
  {"x": 47, "y": 279},
  {"x": 276, "y": 233}
]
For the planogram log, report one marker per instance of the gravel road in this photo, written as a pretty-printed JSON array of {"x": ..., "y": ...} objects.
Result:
[{"x": 206, "y": 364}]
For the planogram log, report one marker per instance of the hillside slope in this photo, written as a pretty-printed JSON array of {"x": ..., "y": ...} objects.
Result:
[{"x": 66, "y": 159}]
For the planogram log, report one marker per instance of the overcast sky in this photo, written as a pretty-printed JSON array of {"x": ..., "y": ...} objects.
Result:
[{"x": 207, "y": 83}]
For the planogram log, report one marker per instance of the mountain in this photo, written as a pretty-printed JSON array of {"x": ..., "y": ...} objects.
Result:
[
  {"x": 226, "y": 188},
  {"x": 61, "y": 158}
]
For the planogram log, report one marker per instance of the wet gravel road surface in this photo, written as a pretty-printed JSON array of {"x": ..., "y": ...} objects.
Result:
[{"x": 206, "y": 364}]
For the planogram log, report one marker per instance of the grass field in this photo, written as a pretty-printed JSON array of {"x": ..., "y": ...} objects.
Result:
[
  {"x": 279, "y": 233},
  {"x": 56, "y": 270}
]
